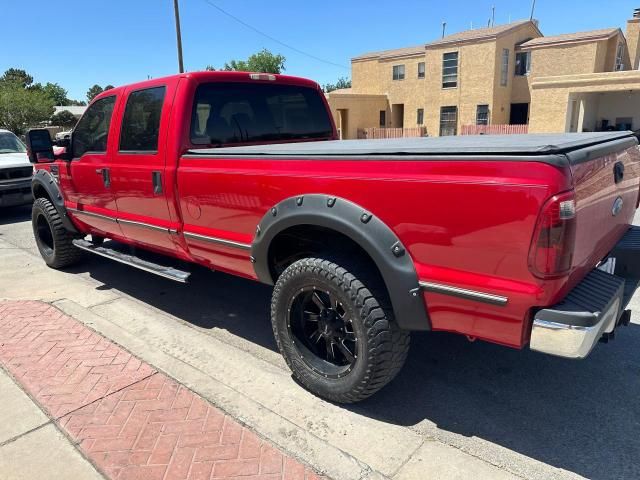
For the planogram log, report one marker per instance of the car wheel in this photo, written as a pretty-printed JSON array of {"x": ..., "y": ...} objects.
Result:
[
  {"x": 54, "y": 241},
  {"x": 339, "y": 339}
]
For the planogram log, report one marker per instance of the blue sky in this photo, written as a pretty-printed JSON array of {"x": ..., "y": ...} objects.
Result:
[{"x": 78, "y": 43}]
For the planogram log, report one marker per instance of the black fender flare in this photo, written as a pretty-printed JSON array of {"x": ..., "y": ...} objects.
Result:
[
  {"x": 45, "y": 180},
  {"x": 366, "y": 230}
]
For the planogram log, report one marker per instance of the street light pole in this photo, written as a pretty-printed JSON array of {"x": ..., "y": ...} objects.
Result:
[{"x": 178, "y": 35}]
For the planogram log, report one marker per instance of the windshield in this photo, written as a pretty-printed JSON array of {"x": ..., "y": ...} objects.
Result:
[
  {"x": 9, "y": 143},
  {"x": 228, "y": 113}
]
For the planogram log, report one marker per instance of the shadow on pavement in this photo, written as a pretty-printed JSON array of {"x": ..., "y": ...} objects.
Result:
[
  {"x": 10, "y": 215},
  {"x": 209, "y": 300},
  {"x": 580, "y": 416}
]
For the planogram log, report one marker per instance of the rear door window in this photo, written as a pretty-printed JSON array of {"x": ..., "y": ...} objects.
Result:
[
  {"x": 141, "y": 121},
  {"x": 232, "y": 113},
  {"x": 92, "y": 131}
]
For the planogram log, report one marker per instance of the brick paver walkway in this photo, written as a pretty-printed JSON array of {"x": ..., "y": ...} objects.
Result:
[{"x": 131, "y": 421}]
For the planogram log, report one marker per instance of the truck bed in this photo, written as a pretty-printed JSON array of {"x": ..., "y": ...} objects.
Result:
[{"x": 549, "y": 148}]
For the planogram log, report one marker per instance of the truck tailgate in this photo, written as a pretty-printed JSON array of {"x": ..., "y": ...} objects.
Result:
[{"x": 606, "y": 182}]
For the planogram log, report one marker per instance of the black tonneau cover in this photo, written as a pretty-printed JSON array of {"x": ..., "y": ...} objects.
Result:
[{"x": 531, "y": 145}]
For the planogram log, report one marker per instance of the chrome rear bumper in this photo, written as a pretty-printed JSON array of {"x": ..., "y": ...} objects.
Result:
[
  {"x": 571, "y": 341},
  {"x": 593, "y": 308}
]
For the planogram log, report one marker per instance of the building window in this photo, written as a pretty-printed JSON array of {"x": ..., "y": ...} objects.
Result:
[
  {"x": 398, "y": 72},
  {"x": 383, "y": 118},
  {"x": 619, "y": 57},
  {"x": 450, "y": 70},
  {"x": 482, "y": 115},
  {"x": 523, "y": 63},
  {"x": 504, "y": 67},
  {"x": 448, "y": 121},
  {"x": 420, "y": 119},
  {"x": 421, "y": 70}
]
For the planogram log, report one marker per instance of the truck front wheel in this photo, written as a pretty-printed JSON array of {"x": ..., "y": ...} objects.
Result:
[
  {"x": 339, "y": 339},
  {"x": 53, "y": 240}
]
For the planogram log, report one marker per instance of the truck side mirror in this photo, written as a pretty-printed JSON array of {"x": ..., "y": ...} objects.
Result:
[{"x": 39, "y": 146}]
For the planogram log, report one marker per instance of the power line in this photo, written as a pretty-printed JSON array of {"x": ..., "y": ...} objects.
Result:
[{"x": 251, "y": 27}]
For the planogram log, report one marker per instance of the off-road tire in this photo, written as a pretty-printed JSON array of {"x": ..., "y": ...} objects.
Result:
[
  {"x": 385, "y": 347},
  {"x": 57, "y": 250}
]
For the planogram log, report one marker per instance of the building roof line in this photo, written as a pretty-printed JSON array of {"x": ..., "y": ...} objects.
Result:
[
  {"x": 478, "y": 34},
  {"x": 481, "y": 34},
  {"x": 571, "y": 38}
]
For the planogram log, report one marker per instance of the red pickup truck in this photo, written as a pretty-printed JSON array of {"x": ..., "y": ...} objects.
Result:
[{"x": 518, "y": 240}]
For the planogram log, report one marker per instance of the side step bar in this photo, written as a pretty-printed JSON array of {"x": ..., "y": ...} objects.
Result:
[{"x": 166, "y": 272}]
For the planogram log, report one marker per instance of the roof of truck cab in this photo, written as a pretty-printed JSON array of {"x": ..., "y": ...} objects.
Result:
[
  {"x": 517, "y": 145},
  {"x": 210, "y": 76}
]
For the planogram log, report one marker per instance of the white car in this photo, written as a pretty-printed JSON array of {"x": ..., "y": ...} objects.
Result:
[
  {"x": 15, "y": 171},
  {"x": 63, "y": 135}
]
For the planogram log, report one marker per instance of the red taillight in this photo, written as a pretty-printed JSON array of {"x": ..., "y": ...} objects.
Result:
[{"x": 553, "y": 241}]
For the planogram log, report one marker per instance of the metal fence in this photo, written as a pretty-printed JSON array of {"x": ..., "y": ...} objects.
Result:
[
  {"x": 392, "y": 132},
  {"x": 493, "y": 129}
]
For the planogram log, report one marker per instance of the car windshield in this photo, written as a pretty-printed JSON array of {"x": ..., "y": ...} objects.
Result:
[
  {"x": 9, "y": 143},
  {"x": 236, "y": 113}
]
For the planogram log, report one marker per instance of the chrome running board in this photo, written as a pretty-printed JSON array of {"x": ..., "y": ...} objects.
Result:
[{"x": 133, "y": 261}]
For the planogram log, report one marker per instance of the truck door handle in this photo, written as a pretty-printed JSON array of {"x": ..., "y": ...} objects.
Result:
[
  {"x": 106, "y": 177},
  {"x": 156, "y": 178}
]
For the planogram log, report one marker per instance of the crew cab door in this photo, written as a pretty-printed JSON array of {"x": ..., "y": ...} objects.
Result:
[
  {"x": 138, "y": 167},
  {"x": 86, "y": 179}
]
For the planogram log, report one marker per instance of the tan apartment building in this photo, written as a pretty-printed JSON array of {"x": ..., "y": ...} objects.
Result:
[{"x": 504, "y": 75}]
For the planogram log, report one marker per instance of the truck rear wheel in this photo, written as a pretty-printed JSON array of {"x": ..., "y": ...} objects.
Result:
[
  {"x": 53, "y": 240},
  {"x": 338, "y": 338}
]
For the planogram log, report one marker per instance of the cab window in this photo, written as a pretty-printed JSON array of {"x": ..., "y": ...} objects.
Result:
[
  {"x": 235, "y": 113},
  {"x": 141, "y": 121},
  {"x": 92, "y": 131}
]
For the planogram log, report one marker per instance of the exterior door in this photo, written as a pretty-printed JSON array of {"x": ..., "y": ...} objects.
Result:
[
  {"x": 138, "y": 168},
  {"x": 86, "y": 179},
  {"x": 519, "y": 114}
]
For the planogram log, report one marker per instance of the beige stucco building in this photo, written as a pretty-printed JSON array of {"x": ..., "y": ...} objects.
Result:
[{"x": 504, "y": 75}]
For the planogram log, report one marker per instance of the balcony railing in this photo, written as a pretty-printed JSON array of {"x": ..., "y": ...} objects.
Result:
[
  {"x": 493, "y": 129},
  {"x": 392, "y": 132}
]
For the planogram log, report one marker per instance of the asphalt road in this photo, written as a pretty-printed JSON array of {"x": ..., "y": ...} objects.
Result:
[{"x": 504, "y": 406}]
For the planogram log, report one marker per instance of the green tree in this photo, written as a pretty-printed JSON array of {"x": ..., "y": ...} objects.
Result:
[
  {"x": 17, "y": 76},
  {"x": 21, "y": 108},
  {"x": 64, "y": 118},
  {"x": 263, "y": 61},
  {"x": 56, "y": 93},
  {"x": 97, "y": 90},
  {"x": 343, "y": 82},
  {"x": 94, "y": 92}
]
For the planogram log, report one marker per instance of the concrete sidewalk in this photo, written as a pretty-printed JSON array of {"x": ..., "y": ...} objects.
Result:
[
  {"x": 31, "y": 447},
  {"x": 125, "y": 417}
]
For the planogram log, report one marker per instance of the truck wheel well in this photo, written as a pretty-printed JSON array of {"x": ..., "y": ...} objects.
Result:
[
  {"x": 40, "y": 192},
  {"x": 303, "y": 241}
]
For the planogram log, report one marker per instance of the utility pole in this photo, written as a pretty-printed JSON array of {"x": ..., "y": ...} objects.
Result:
[
  {"x": 493, "y": 16},
  {"x": 533, "y": 7},
  {"x": 178, "y": 35}
]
